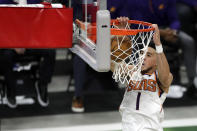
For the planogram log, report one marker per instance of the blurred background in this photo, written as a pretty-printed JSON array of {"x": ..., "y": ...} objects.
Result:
[{"x": 55, "y": 90}]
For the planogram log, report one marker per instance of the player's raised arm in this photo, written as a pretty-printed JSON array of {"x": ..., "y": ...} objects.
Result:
[{"x": 164, "y": 75}]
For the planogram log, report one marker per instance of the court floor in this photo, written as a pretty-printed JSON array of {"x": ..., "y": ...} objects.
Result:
[
  {"x": 103, "y": 121},
  {"x": 193, "y": 128},
  {"x": 181, "y": 129}
]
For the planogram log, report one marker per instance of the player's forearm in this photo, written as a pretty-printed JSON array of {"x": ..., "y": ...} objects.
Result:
[
  {"x": 164, "y": 75},
  {"x": 163, "y": 68}
]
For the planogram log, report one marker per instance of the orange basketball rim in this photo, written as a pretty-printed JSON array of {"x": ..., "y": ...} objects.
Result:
[{"x": 91, "y": 28}]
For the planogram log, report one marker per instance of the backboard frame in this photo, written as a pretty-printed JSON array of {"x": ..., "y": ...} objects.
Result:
[{"x": 95, "y": 53}]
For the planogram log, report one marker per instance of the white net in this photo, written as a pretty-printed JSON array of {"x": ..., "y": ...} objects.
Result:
[{"x": 128, "y": 53}]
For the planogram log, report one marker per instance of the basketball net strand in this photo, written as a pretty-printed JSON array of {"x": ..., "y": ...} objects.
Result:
[{"x": 128, "y": 68}]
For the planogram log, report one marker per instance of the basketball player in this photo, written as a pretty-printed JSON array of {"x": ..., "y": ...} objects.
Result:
[
  {"x": 164, "y": 13},
  {"x": 141, "y": 108}
]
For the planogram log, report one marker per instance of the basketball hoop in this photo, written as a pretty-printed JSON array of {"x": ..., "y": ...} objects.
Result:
[
  {"x": 128, "y": 46},
  {"x": 128, "y": 49},
  {"x": 129, "y": 31},
  {"x": 91, "y": 28}
]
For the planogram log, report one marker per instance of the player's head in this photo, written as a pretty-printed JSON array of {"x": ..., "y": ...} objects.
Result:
[{"x": 149, "y": 64}]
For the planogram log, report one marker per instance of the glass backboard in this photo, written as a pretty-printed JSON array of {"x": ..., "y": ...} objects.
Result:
[{"x": 91, "y": 36}]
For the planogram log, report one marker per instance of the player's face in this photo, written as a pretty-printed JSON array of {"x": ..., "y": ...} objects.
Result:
[{"x": 149, "y": 63}]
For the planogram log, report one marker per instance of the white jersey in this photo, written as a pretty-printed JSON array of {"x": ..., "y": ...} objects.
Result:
[{"x": 141, "y": 108}]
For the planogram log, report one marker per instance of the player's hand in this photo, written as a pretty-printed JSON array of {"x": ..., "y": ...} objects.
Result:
[
  {"x": 156, "y": 36},
  {"x": 20, "y": 51},
  {"x": 123, "y": 22}
]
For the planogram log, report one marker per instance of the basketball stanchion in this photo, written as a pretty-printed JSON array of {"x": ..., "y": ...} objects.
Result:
[{"x": 36, "y": 26}]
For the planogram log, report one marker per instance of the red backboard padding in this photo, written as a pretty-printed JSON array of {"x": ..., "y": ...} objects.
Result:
[{"x": 23, "y": 27}]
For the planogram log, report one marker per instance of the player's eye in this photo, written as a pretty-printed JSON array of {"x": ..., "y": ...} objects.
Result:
[{"x": 148, "y": 54}]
